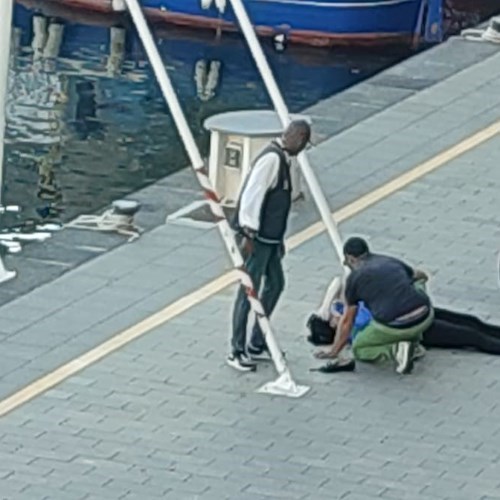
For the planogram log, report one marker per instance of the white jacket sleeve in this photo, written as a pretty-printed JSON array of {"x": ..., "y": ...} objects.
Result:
[{"x": 262, "y": 177}]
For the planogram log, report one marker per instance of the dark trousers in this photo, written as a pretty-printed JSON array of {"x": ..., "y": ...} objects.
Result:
[
  {"x": 458, "y": 331},
  {"x": 265, "y": 268}
]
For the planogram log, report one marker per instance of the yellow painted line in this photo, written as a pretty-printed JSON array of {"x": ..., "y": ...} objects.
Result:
[
  {"x": 118, "y": 341},
  {"x": 188, "y": 301}
]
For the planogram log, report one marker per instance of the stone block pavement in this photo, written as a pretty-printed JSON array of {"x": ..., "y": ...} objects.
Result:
[{"x": 164, "y": 417}]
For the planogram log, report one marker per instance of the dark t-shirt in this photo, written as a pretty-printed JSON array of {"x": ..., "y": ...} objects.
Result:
[{"x": 385, "y": 285}]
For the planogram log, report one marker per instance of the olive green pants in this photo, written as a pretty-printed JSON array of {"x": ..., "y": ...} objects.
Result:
[{"x": 375, "y": 342}]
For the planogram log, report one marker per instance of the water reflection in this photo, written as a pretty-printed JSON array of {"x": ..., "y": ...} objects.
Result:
[
  {"x": 36, "y": 100},
  {"x": 86, "y": 120}
]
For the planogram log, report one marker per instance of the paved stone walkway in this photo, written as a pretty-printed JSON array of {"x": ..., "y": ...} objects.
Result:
[{"x": 165, "y": 418}]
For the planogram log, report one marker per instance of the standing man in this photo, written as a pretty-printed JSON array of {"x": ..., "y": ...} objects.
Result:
[
  {"x": 261, "y": 221},
  {"x": 394, "y": 294}
]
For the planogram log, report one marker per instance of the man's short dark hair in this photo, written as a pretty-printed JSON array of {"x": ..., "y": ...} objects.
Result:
[
  {"x": 356, "y": 247},
  {"x": 301, "y": 128}
]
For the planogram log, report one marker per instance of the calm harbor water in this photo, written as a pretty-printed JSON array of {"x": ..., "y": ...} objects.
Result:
[{"x": 86, "y": 121}]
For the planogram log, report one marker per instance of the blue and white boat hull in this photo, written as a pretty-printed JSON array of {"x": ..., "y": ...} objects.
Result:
[{"x": 311, "y": 22}]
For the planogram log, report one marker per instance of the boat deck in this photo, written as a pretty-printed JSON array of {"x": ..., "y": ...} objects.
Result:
[{"x": 408, "y": 159}]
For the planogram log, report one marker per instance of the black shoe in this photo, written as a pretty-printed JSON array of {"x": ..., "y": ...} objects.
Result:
[
  {"x": 260, "y": 353},
  {"x": 336, "y": 367},
  {"x": 241, "y": 363}
]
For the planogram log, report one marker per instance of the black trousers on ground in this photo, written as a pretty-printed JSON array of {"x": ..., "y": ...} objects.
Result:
[{"x": 462, "y": 331}]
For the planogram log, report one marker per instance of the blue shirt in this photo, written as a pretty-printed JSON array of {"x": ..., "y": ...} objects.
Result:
[{"x": 363, "y": 317}]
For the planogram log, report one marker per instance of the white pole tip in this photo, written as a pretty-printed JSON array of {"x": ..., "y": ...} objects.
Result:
[{"x": 284, "y": 386}]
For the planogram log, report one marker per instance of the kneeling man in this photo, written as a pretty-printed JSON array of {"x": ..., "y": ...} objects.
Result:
[{"x": 394, "y": 294}]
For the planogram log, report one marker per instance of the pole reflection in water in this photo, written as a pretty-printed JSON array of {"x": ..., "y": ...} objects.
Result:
[
  {"x": 116, "y": 50},
  {"x": 35, "y": 109}
]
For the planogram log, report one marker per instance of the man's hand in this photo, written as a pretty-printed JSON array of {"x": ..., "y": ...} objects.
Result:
[
  {"x": 328, "y": 354},
  {"x": 419, "y": 275},
  {"x": 247, "y": 246},
  {"x": 247, "y": 243}
]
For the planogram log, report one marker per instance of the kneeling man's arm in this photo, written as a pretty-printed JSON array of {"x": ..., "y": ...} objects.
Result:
[
  {"x": 344, "y": 329},
  {"x": 414, "y": 274},
  {"x": 419, "y": 275}
]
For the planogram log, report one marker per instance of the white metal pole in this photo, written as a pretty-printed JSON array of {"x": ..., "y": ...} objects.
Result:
[
  {"x": 5, "y": 34},
  {"x": 284, "y": 385},
  {"x": 281, "y": 109}
]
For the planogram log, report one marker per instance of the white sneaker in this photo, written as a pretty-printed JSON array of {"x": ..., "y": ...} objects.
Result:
[{"x": 404, "y": 357}]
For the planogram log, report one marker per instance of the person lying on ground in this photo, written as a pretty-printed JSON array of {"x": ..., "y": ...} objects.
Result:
[
  {"x": 394, "y": 294},
  {"x": 449, "y": 330},
  {"x": 453, "y": 330}
]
